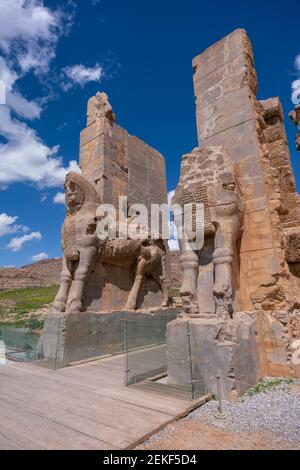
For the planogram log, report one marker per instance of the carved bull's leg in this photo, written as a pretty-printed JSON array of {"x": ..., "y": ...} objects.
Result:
[
  {"x": 65, "y": 284},
  {"x": 189, "y": 262},
  {"x": 161, "y": 279},
  {"x": 140, "y": 272},
  {"x": 222, "y": 259},
  {"x": 163, "y": 285},
  {"x": 87, "y": 260}
]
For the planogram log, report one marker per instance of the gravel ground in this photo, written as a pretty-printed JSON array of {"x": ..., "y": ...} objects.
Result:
[
  {"x": 275, "y": 411},
  {"x": 267, "y": 420}
]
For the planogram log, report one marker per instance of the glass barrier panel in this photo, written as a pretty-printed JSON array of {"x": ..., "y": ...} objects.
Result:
[{"x": 146, "y": 359}]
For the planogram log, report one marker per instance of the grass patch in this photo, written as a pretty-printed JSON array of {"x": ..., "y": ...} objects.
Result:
[
  {"x": 17, "y": 306},
  {"x": 175, "y": 291},
  {"x": 265, "y": 385}
]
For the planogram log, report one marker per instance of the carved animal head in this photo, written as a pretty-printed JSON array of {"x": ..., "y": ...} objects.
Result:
[
  {"x": 78, "y": 191},
  {"x": 74, "y": 196}
]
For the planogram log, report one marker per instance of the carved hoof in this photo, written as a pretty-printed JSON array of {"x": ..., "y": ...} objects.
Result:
[
  {"x": 59, "y": 306},
  {"x": 190, "y": 304},
  {"x": 129, "y": 306},
  {"x": 167, "y": 302},
  {"x": 186, "y": 293},
  {"x": 74, "y": 307}
]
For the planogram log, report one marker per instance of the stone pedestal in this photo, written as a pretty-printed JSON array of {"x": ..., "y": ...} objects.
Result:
[
  {"x": 200, "y": 348},
  {"x": 75, "y": 337}
]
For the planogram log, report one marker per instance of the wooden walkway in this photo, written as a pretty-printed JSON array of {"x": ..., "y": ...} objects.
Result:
[{"x": 81, "y": 407}]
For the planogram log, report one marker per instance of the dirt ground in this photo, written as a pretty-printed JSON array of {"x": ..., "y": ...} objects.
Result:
[{"x": 187, "y": 435}]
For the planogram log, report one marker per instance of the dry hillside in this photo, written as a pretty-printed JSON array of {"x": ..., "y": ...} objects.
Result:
[
  {"x": 43, "y": 273},
  {"x": 47, "y": 272}
]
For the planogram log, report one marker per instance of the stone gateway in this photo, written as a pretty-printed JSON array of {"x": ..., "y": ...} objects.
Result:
[
  {"x": 104, "y": 278},
  {"x": 240, "y": 313},
  {"x": 240, "y": 292}
]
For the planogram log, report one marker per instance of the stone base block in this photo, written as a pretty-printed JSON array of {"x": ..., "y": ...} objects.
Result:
[
  {"x": 279, "y": 342},
  {"x": 200, "y": 348},
  {"x": 76, "y": 337}
]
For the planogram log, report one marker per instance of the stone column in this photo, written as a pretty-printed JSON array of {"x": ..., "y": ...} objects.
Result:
[{"x": 229, "y": 114}]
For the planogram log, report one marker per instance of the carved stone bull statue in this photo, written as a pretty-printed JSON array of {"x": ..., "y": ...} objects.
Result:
[
  {"x": 223, "y": 218},
  {"x": 82, "y": 249}
]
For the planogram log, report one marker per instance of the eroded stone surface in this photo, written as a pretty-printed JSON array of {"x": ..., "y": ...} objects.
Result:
[
  {"x": 98, "y": 274},
  {"x": 261, "y": 272},
  {"x": 295, "y": 117},
  {"x": 225, "y": 347},
  {"x": 209, "y": 177}
]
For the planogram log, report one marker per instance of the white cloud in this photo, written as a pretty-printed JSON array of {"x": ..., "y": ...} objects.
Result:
[
  {"x": 170, "y": 195},
  {"x": 40, "y": 257},
  {"x": 26, "y": 158},
  {"x": 28, "y": 37},
  {"x": 59, "y": 198},
  {"x": 81, "y": 75},
  {"x": 296, "y": 83},
  {"x": 17, "y": 243},
  {"x": 29, "y": 33},
  {"x": 7, "y": 224},
  {"x": 173, "y": 245},
  {"x": 296, "y": 91},
  {"x": 8, "y": 76},
  {"x": 21, "y": 106}
]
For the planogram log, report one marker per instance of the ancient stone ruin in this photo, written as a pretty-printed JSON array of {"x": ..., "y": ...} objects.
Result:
[
  {"x": 295, "y": 117},
  {"x": 101, "y": 275},
  {"x": 241, "y": 291},
  {"x": 113, "y": 274},
  {"x": 240, "y": 314}
]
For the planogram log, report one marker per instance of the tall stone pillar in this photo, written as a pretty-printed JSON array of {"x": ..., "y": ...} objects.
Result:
[
  {"x": 119, "y": 164},
  {"x": 229, "y": 114},
  {"x": 253, "y": 328}
]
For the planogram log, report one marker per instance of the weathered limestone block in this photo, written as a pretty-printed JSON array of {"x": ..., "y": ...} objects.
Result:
[
  {"x": 105, "y": 274},
  {"x": 99, "y": 107},
  {"x": 225, "y": 347},
  {"x": 79, "y": 337},
  {"x": 119, "y": 164},
  {"x": 209, "y": 177},
  {"x": 292, "y": 249},
  {"x": 278, "y": 330},
  {"x": 253, "y": 136},
  {"x": 261, "y": 266},
  {"x": 295, "y": 117}
]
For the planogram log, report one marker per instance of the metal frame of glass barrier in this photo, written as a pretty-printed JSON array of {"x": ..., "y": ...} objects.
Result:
[
  {"x": 124, "y": 333},
  {"x": 146, "y": 359},
  {"x": 20, "y": 344},
  {"x": 23, "y": 345}
]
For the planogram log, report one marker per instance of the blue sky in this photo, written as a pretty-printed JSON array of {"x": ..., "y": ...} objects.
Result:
[{"x": 55, "y": 55}]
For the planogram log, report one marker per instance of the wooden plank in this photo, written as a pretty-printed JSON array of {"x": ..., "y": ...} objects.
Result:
[
  {"x": 107, "y": 410},
  {"x": 6, "y": 444},
  {"x": 100, "y": 387},
  {"x": 117, "y": 427},
  {"x": 57, "y": 392},
  {"x": 45, "y": 432},
  {"x": 81, "y": 407},
  {"x": 16, "y": 435}
]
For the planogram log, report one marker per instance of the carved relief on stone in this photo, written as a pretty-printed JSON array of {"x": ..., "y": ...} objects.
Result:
[
  {"x": 99, "y": 107},
  {"x": 295, "y": 117},
  {"x": 83, "y": 248},
  {"x": 208, "y": 177}
]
